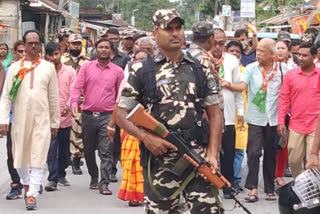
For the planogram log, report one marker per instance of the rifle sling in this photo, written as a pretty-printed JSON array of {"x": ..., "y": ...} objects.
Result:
[{"x": 177, "y": 192}]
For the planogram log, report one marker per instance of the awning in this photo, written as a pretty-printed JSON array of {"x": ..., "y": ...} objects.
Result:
[{"x": 276, "y": 20}]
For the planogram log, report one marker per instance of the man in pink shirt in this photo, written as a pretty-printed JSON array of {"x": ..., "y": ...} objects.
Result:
[
  {"x": 299, "y": 93},
  {"x": 60, "y": 145},
  {"x": 99, "y": 80}
]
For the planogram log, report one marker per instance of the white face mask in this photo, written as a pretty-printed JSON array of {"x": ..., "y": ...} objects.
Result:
[{"x": 244, "y": 44}]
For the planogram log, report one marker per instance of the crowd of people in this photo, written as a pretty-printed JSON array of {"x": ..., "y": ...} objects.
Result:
[{"x": 223, "y": 97}]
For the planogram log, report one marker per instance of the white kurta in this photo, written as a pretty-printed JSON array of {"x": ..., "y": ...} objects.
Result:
[{"x": 35, "y": 111}]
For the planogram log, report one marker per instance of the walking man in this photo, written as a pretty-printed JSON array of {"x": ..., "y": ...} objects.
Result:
[
  {"x": 75, "y": 59},
  {"x": 228, "y": 70},
  {"x": 299, "y": 93},
  {"x": 173, "y": 86},
  {"x": 58, "y": 156},
  {"x": 99, "y": 80},
  {"x": 263, "y": 81},
  {"x": 31, "y": 85},
  {"x": 16, "y": 186}
]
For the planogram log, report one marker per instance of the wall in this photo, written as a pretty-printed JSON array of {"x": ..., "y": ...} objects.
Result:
[{"x": 8, "y": 21}]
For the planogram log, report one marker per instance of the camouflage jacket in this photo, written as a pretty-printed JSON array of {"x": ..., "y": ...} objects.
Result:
[
  {"x": 68, "y": 60},
  {"x": 205, "y": 60},
  {"x": 177, "y": 85}
]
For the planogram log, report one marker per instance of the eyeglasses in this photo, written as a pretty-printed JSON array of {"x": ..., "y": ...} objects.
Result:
[{"x": 20, "y": 51}]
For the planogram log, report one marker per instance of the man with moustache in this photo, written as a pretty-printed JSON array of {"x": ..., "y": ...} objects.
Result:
[
  {"x": 74, "y": 59},
  {"x": 58, "y": 155},
  {"x": 31, "y": 86},
  {"x": 179, "y": 80},
  {"x": 99, "y": 80},
  {"x": 299, "y": 92}
]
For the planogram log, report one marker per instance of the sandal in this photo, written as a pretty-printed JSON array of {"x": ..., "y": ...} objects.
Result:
[
  {"x": 135, "y": 203},
  {"x": 271, "y": 197},
  {"x": 279, "y": 181},
  {"x": 251, "y": 198}
]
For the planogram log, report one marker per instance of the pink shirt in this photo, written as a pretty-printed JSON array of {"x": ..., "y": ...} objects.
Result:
[
  {"x": 299, "y": 93},
  {"x": 99, "y": 85},
  {"x": 66, "y": 77}
]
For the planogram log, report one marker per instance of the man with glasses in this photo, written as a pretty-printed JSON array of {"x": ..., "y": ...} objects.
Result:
[
  {"x": 19, "y": 50},
  {"x": 228, "y": 69},
  {"x": 31, "y": 86}
]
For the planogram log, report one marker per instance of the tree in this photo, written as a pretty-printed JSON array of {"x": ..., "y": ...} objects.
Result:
[{"x": 145, "y": 10}]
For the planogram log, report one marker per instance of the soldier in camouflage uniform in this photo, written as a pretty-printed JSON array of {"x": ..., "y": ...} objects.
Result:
[
  {"x": 200, "y": 49},
  {"x": 175, "y": 80},
  {"x": 74, "y": 59}
]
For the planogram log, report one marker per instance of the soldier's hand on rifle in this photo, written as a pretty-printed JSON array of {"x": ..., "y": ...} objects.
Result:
[{"x": 156, "y": 145}]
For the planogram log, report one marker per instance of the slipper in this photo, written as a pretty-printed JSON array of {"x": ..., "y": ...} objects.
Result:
[
  {"x": 271, "y": 197},
  {"x": 251, "y": 198},
  {"x": 279, "y": 181}
]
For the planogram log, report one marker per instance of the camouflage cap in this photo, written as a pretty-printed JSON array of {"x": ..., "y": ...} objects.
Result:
[
  {"x": 127, "y": 34},
  {"x": 163, "y": 17},
  {"x": 75, "y": 37},
  {"x": 284, "y": 36},
  {"x": 204, "y": 28}
]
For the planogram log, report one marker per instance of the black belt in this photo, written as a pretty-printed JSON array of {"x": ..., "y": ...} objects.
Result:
[{"x": 97, "y": 114}]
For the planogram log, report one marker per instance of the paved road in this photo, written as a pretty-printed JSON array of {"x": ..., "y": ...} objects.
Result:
[{"x": 78, "y": 199}]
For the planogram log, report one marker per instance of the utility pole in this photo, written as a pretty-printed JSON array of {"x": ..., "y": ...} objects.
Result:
[
  {"x": 216, "y": 5},
  {"x": 226, "y": 2},
  {"x": 60, "y": 7}
]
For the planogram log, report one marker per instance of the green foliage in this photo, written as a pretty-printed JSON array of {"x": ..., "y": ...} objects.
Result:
[{"x": 146, "y": 8}]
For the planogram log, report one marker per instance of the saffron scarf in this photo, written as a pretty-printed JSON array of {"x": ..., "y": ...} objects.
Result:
[
  {"x": 260, "y": 98},
  {"x": 20, "y": 75}
]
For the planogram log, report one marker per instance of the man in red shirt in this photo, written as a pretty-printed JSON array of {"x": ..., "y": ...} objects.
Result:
[
  {"x": 99, "y": 80},
  {"x": 299, "y": 93}
]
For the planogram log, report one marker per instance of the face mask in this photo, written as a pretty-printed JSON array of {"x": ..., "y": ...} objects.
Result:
[
  {"x": 116, "y": 45},
  {"x": 244, "y": 44},
  {"x": 75, "y": 52}
]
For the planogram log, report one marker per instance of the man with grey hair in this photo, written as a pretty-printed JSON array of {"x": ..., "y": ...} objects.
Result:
[
  {"x": 148, "y": 44},
  {"x": 263, "y": 80}
]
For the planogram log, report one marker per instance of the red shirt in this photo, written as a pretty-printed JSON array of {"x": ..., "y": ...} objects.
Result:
[
  {"x": 299, "y": 92},
  {"x": 99, "y": 85}
]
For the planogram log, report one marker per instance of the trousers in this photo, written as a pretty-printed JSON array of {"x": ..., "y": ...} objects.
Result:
[{"x": 32, "y": 177}]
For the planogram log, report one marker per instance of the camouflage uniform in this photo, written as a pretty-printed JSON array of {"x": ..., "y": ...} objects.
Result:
[
  {"x": 76, "y": 144},
  {"x": 176, "y": 83},
  {"x": 205, "y": 58}
]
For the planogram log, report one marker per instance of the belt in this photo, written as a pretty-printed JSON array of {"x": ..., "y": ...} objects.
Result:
[{"x": 97, "y": 114}]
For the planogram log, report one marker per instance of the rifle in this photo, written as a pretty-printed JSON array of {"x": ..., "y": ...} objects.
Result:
[{"x": 141, "y": 118}]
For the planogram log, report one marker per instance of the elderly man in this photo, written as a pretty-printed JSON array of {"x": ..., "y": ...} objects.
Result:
[
  {"x": 148, "y": 44},
  {"x": 31, "y": 86},
  {"x": 263, "y": 80}
]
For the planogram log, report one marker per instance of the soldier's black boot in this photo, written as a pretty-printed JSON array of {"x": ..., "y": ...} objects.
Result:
[{"x": 76, "y": 166}]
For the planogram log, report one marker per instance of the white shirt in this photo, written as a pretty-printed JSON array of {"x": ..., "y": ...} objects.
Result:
[{"x": 231, "y": 99}]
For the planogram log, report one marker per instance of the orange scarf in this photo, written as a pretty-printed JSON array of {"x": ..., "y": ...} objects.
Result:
[{"x": 20, "y": 75}]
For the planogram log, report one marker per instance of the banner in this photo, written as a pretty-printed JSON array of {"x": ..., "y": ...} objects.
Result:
[{"x": 248, "y": 8}]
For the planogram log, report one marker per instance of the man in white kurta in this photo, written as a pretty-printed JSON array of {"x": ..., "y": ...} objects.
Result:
[{"x": 35, "y": 115}]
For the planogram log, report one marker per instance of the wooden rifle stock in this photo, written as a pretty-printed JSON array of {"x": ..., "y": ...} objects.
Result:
[{"x": 141, "y": 118}]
